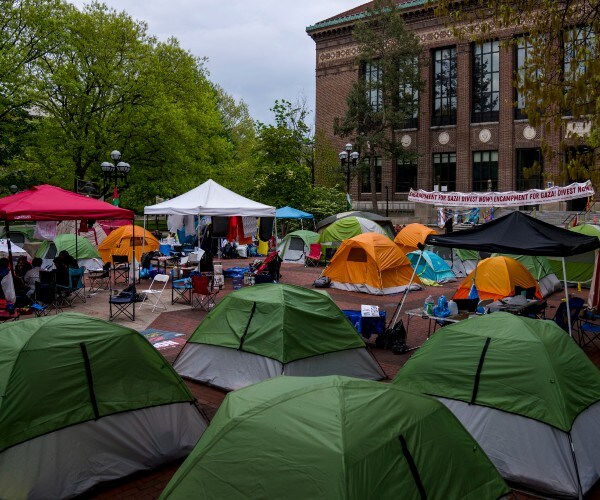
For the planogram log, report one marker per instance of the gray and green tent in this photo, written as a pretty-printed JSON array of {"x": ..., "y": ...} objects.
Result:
[
  {"x": 580, "y": 268},
  {"x": 266, "y": 330},
  {"x": 525, "y": 391},
  {"x": 541, "y": 270},
  {"x": 334, "y": 438},
  {"x": 77, "y": 246},
  {"x": 346, "y": 228},
  {"x": 85, "y": 401},
  {"x": 296, "y": 245}
]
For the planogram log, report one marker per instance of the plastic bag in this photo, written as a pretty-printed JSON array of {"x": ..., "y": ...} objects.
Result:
[{"x": 8, "y": 288}]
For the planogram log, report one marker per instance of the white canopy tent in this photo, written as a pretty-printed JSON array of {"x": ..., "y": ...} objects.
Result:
[{"x": 210, "y": 198}]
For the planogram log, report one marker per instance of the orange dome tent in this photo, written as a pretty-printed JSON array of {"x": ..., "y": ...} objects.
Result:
[
  {"x": 370, "y": 263},
  {"x": 412, "y": 234},
  {"x": 120, "y": 242},
  {"x": 496, "y": 278}
]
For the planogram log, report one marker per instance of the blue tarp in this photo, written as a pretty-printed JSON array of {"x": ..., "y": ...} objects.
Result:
[{"x": 291, "y": 213}]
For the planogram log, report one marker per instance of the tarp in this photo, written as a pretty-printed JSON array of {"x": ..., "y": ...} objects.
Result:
[
  {"x": 411, "y": 235},
  {"x": 519, "y": 385},
  {"x": 431, "y": 267},
  {"x": 384, "y": 222},
  {"x": 348, "y": 227},
  {"x": 370, "y": 263},
  {"x": 296, "y": 245},
  {"x": 210, "y": 198},
  {"x": 519, "y": 234},
  {"x": 292, "y": 213},
  {"x": 496, "y": 278},
  {"x": 16, "y": 250},
  {"x": 334, "y": 438},
  {"x": 120, "y": 242},
  {"x": 50, "y": 203}
]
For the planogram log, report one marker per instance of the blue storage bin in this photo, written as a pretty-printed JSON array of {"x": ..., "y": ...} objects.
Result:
[{"x": 366, "y": 326}]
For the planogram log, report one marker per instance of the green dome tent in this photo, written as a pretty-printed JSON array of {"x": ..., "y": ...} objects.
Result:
[
  {"x": 85, "y": 401},
  {"x": 580, "y": 268},
  {"x": 296, "y": 245},
  {"x": 525, "y": 391},
  {"x": 85, "y": 253},
  {"x": 262, "y": 331},
  {"x": 348, "y": 227},
  {"x": 541, "y": 270},
  {"x": 334, "y": 438}
]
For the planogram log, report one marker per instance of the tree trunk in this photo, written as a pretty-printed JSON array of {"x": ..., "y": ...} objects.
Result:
[{"x": 373, "y": 178}]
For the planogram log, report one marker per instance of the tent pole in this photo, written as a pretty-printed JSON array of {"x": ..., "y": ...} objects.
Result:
[
  {"x": 399, "y": 310},
  {"x": 133, "y": 251},
  {"x": 143, "y": 235},
  {"x": 564, "y": 267},
  {"x": 8, "y": 247},
  {"x": 76, "y": 234}
]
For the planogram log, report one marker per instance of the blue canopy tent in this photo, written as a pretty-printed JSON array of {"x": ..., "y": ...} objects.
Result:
[{"x": 292, "y": 213}]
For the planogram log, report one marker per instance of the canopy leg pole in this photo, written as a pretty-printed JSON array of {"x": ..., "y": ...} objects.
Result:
[
  {"x": 76, "y": 246},
  {"x": 564, "y": 267},
  {"x": 143, "y": 235},
  {"x": 133, "y": 252},
  {"x": 9, "y": 249},
  {"x": 399, "y": 309}
]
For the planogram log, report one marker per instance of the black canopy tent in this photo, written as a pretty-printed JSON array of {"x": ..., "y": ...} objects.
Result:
[{"x": 518, "y": 233}]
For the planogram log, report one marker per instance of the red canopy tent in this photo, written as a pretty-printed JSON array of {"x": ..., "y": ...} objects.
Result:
[{"x": 51, "y": 203}]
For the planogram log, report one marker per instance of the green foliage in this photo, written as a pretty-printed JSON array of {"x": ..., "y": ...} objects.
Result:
[{"x": 371, "y": 122}]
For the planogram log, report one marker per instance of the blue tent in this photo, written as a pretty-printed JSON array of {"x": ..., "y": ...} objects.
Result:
[
  {"x": 291, "y": 213},
  {"x": 431, "y": 267}
]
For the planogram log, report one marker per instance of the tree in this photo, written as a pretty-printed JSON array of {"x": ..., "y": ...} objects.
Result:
[
  {"x": 561, "y": 72},
  {"x": 384, "y": 99}
]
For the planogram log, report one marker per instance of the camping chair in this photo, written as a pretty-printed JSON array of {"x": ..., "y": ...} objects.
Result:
[
  {"x": 122, "y": 302},
  {"x": 76, "y": 287},
  {"x": 203, "y": 292},
  {"x": 99, "y": 280},
  {"x": 589, "y": 328},
  {"x": 120, "y": 268},
  {"x": 181, "y": 291},
  {"x": 575, "y": 306},
  {"x": 153, "y": 295},
  {"x": 313, "y": 257},
  {"x": 45, "y": 299}
]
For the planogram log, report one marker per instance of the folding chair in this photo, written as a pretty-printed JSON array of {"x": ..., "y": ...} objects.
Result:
[
  {"x": 203, "y": 292},
  {"x": 181, "y": 291},
  {"x": 75, "y": 288},
  {"x": 589, "y": 328},
  {"x": 153, "y": 295},
  {"x": 122, "y": 302},
  {"x": 575, "y": 306},
  {"x": 313, "y": 257},
  {"x": 99, "y": 280},
  {"x": 45, "y": 299},
  {"x": 120, "y": 268}
]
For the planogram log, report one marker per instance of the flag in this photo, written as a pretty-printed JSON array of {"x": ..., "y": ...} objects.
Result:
[
  {"x": 575, "y": 221},
  {"x": 116, "y": 197}
]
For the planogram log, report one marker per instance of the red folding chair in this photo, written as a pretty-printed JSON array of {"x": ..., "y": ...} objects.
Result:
[
  {"x": 203, "y": 292},
  {"x": 313, "y": 258}
]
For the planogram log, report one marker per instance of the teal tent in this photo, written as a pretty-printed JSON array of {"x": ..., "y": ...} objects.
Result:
[
  {"x": 525, "y": 391},
  {"x": 85, "y": 401},
  {"x": 334, "y": 438},
  {"x": 262, "y": 331},
  {"x": 431, "y": 267}
]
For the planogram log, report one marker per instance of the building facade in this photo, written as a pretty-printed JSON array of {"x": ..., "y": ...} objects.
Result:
[{"x": 470, "y": 133}]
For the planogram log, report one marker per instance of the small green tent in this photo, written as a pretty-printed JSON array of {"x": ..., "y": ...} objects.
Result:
[
  {"x": 85, "y": 401},
  {"x": 580, "y": 268},
  {"x": 525, "y": 391},
  {"x": 81, "y": 249},
  {"x": 296, "y": 245},
  {"x": 265, "y": 330},
  {"x": 334, "y": 438}
]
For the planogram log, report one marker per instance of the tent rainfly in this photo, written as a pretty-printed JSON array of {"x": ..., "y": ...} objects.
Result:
[
  {"x": 343, "y": 229},
  {"x": 409, "y": 237},
  {"x": 267, "y": 330},
  {"x": 525, "y": 391},
  {"x": 518, "y": 233},
  {"x": 334, "y": 438},
  {"x": 384, "y": 222},
  {"x": 430, "y": 267},
  {"x": 85, "y": 401},
  {"x": 78, "y": 246},
  {"x": 541, "y": 270}
]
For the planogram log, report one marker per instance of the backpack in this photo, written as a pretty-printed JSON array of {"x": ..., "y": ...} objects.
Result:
[
  {"x": 393, "y": 338},
  {"x": 322, "y": 282}
]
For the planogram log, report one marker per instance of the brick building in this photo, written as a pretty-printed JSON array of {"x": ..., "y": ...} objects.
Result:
[{"x": 470, "y": 135}]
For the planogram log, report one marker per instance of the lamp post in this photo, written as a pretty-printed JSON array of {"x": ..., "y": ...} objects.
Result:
[
  {"x": 113, "y": 172},
  {"x": 13, "y": 189},
  {"x": 348, "y": 159}
]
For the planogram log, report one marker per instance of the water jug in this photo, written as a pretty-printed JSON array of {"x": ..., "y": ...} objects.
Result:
[
  {"x": 453, "y": 307},
  {"x": 428, "y": 307}
]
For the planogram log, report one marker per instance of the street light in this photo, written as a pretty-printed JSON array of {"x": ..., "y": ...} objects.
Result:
[
  {"x": 13, "y": 189},
  {"x": 348, "y": 159},
  {"x": 113, "y": 172}
]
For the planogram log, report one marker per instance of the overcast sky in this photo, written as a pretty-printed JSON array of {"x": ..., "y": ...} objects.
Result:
[{"x": 257, "y": 50}]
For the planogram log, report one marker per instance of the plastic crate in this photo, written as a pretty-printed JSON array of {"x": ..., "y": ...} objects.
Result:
[{"x": 366, "y": 326}]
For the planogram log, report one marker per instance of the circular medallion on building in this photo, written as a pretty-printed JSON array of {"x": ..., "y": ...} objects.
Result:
[
  {"x": 485, "y": 135},
  {"x": 444, "y": 138},
  {"x": 406, "y": 140},
  {"x": 529, "y": 132}
]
